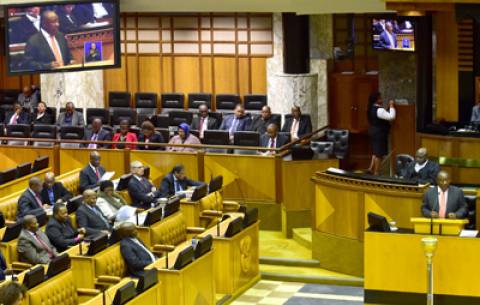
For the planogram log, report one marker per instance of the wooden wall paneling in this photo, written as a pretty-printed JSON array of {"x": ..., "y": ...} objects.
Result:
[
  {"x": 132, "y": 73},
  {"x": 447, "y": 66},
  {"x": 115, "y": 79},
  {"x": 186, "y": 70},
  {"x": 207, "y": 76},
  {"x": 402, "y": 134},
  {"x": 167, "y": 80},
  {"x": 12, "y": 157},
  {"x": 225, "y": 75},
  {"x": 243, "y": 76},
  {"x": 73, "y": 158},
  {"x": 149, "y": 74},
  {"x": 259, "y": 75}
]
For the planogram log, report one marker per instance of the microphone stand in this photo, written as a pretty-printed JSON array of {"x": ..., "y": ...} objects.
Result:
[
  {"x": 218, "y": 219},
  {"x": 81, "y": 56},
  {"x": 243, "y": 198},
  {"x": 163, "y": 244},
  {"x": 38, "y": 154}
]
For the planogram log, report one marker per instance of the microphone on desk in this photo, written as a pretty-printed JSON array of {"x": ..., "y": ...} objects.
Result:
[
  {"x": 163, "y": 244},
  {"x": 218, "y": 218},
  {"x": 38, "y": 154},
  {"x": 243, "y": 198},
  {"x": 81, "y": 56},
  {"x": 211, "y": 173}
]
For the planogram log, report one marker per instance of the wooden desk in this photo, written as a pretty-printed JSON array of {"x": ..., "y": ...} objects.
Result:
[
  {"x": 194, "y": 284},
  {"x": 396, "y": 267},
  {"x": 151, "y": 296},
  {"x": 236, "y": 259},
  {"x": 21, "y": 184},
  {"x": 340, "y": 217}
]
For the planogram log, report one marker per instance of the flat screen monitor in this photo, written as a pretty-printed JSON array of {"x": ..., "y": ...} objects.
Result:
[
  {"x": 393, "y": 33},
  {"x": 74, "y": 203},
  {"x": 250, "y": 218},
  {"x": 97, "y": 244},
  {"x": 234, "y": 227},
  {"x": 147, "y": 280},
  {"x": 58, "y": 265},
  {"x": 203, "y": 246},
  {"x": 184, "y": 258},
  {"x": 12, "y": 231},
  {"x": 246, "y": 138},
  {"x": 34, "y": 277},
  {"x": 172, "y": 207},
  {"x": 116, "y": 236},
  {"x": 40, "y": 163},
  {"x": 153, "y": 216},
  {"x": 87, "y": 36},
  {"x": 216, "y": 137},
  {"x": 124, "y": 294},
  {"x": 215, "y": 184},
  {"x": 199, "y": 192},
  {"x": 378, "y": 223},
  {"x": 123, "y": 182}
]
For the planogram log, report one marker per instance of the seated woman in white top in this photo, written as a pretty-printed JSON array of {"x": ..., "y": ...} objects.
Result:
[{"x": 107, "y": 200}]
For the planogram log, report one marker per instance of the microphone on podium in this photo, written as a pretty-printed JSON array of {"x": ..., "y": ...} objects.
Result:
[{"x": 81, "y": 55}]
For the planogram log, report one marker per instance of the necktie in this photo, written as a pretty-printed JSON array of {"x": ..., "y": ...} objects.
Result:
[
  {"x": 441, "y": 213},
  {"x": 56, "y": 52},
  {"x": 38, "y": 200},
  {"x": 292, "y": 132},
  {"x": 45, "y": 246},
  {"x": 392, "y": 45},
  {"x": 201, "y": 127},
  {"x": 98, "y": 174},
  {"x": 65, "y": 225},
  {"x": 144, "y": 185},
  {"x": 101, "y": 216},
  {"x": 94, "y": 139},
  {"x": 234, "y": 127},
  {"x": 14, "y": 121},
  {"x": 272, "y": 145}
]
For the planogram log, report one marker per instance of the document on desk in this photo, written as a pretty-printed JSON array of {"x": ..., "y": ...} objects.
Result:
[
  {"x": 107, "y": 176},
  {"x": 468, "y": 233},
  {"x": 125, "y": 213}
]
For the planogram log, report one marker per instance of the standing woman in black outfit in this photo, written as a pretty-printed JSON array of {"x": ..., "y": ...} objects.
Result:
[{"x": 379, "y": 118}]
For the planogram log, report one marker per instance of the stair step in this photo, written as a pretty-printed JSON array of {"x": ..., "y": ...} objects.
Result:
[
  {"x": 324, "y": 280},
  {"x": 303, "y": 236},
  {"x": 312, "y": 263}
]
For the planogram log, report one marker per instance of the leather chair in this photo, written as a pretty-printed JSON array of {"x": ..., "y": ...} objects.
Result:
[
  {"x": 44, "y": 132},
  {"x": 401, "y": 161},
  {"x": 160, "y": 120},
  {"x": 110, "y": 266},
  {"x": 287, "y": 134},
  {"x": 119, "y": 99},
  {"x": 71, "y": 181},
  {"x": 146, "y": 103},
  {"x": 40, "y": 163},
  {"x": 471, "y": 201},
  {"x": 23, "y": 170},
  {"x": 211, "y": 207},
  {"x": 72, "y": 133},
  {"x": 254, "y": 102},
  {"x": 175, "y": 118},
  {"x": 63, "y": 109},
  {"x": 197, "y": 99},
  {"x": 8, "y": 96},
  {"x": 9, "y": 207},
  {"x": 98, "y": 113},
  {"x": 246, "y": 138},
  {"x": 172, "y": 101},
  {"x": 142, "y": 117},
  {"x": 2, "y": 113},
  {"x": 322, "y": 147},
  {"x": 165, "y": 133},
  {"x": 226, "y": 103},
  {"x": 217, "y": 116},
  {"x": 18, "y": 131},
  {"x": 8, "y": 175},
  {"x": 340, "y": 138},
  {"x": 124, "y": 114}
]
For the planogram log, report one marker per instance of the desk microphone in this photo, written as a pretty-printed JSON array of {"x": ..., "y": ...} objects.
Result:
[
  {"x": 81, "y": 56},
  {"x": 218, "y": 218},
  {"x": 211, "y": 173},
  {"x": 243, "y": 198},
  {"x": 38, "y": 154},
  {"x": 163, "y": 244}
]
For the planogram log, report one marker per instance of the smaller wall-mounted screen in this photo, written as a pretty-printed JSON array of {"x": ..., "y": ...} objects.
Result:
[
  {"x": 62, "y": 36},
  {"x": 394, "y": 34}
]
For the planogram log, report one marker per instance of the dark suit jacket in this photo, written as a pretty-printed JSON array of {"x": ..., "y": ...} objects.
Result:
[
  {"x": 31, "y": 251},
  {"x": 242, "y": 125},
  {"x": 38, "y": 54},
  {"x": 28, "y": 205},
  {"x": 304, "y": 128},
  {"x": 33, "y": 100},
  {"x": 91, "y": 221},
  {"x": 281, "y": 140},
  {"x": 138, "y": 193},
  {"x": 103, "y": 135},
  {"x": 60, "y": 236},
  {"x": 135, "y": 256},
  {"x": 88, "y": 178},
  {"x": 59, "y": 192},
  {"x": 260, "y": 125},
  {"x": 212, "y": 123},
  {"x": 24, "y": 29},
  {"x": 385, "y": 41},
  {"x": 23, "y": 118},
  {"x": 427, "y": 174},
  {"x": 46, "y": 119},
  {"x": 156, "y": 138},
  {"x": 475, "y": 114},
  {"x": 66, "y": 26},
  {"x": 3, "y": 266},
  {"x": 456, "y": 202},
  {"x": 167, "y": 186},
  {"x": 77, "y": 119}
]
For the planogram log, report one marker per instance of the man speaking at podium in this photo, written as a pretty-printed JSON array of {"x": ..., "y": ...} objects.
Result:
[
  {"x": 48, "y": 48},
  {"x": 444, "y": 200}
]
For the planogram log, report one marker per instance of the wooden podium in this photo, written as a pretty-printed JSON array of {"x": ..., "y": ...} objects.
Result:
[{"x": 422, "y": 225}]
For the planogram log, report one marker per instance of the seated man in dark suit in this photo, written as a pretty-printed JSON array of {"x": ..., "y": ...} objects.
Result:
[
  {"x": 27, "y": 26},
  {"x": 236, "y": 122},
  {"x": 444, "y": 200},
  {"x": 60, "y": 230},
  {"x": 40, "y": 53},
  {"x": 30, "y": 96},
  {"x": 475, "y": 118},
  {"x": 144, "y": 195},
  {"x": 30, "y": 202},
  {"x": 42, "y": 117},
  {"x": 203, "y": 121},
  {"x": 53, "y": 192},
  {"x": 90, "y": 217},
  {"x": 296, "y": 125},
  {"x": 176, "y": 181},
  {"x": 67, "y": 21},
  {"x": 261, "y": 123},
  {"x": 97, "y": 133},
  {"x": 422, "y": 169},
  {"x": 70, "y": 117},
  {"x": 91, "y": 174},
  {"x": 136, "y": 254},
  {"x": 272, "y": 139},
  {"x": 17, "y": 116},
  {"x": 34, "y": 247}
]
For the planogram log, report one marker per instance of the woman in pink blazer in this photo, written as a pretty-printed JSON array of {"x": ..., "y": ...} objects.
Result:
[
  {"x": 184, "y": 137},
  {"x": 124, "y": 136}
]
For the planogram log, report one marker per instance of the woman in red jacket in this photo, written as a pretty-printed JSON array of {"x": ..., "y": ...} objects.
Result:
[{"x": 124, "y": 136}]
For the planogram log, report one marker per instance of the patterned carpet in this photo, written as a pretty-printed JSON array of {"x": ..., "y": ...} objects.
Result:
[{"x": 277, "y": 293}]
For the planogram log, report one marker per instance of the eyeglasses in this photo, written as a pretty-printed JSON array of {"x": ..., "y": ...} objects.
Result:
[{"x": 139, "y": 167}]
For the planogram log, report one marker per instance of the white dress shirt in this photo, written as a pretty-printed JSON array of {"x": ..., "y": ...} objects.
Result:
[
  {"x": 385, "y": 115},
  {"x": 15, "y": 115},
  {"x": 418, "y": 167},
  {"x": 47, "y": 37},
  {"x": 144, "y": 248},
  {"x": 35, "y": 21},
  {"x": 204, "y": 126}
]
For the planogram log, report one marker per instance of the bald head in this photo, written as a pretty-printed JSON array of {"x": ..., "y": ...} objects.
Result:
[
  {"x": 421, "y": 155},
  {"x": 95, "y": 159},
  {"x": 96, "y": 125},
  {"x": 128, "y": 229},
  {"x": 49, "y": 180},
  {"x": 272, "y": 131},
  {"x": 266, "y": 112},
  {"x": 296, "y": 112},
  {"x": 27, "y": 91},
  {"x": 90, "y": 197}
]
